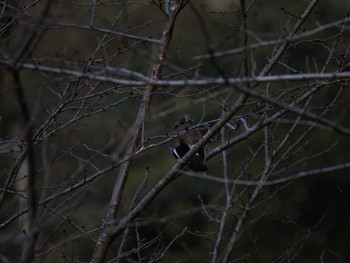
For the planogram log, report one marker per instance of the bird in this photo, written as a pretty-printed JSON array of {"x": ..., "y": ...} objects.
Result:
[{"x": 184, "y": 139}]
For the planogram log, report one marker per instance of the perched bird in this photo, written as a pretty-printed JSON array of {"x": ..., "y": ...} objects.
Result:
[{"x": 185, "y": 140}]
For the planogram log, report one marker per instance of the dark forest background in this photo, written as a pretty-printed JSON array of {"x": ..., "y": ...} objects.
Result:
[{"x": 89, "y": 94}]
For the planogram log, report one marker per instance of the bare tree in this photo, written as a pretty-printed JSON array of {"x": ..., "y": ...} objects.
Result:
[{"x": 89, "y": 96}]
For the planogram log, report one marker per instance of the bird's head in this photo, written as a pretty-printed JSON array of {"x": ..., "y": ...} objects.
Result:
[{"x": 185, "y": 119}]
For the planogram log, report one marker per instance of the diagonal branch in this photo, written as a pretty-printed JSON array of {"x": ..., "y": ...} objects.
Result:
[
  {"x": 107, "y": 235},
  {"x": 173, "y": 172}
]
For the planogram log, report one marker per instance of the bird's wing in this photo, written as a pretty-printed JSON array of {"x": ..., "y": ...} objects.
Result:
[{"x": 175, "y": 153}]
